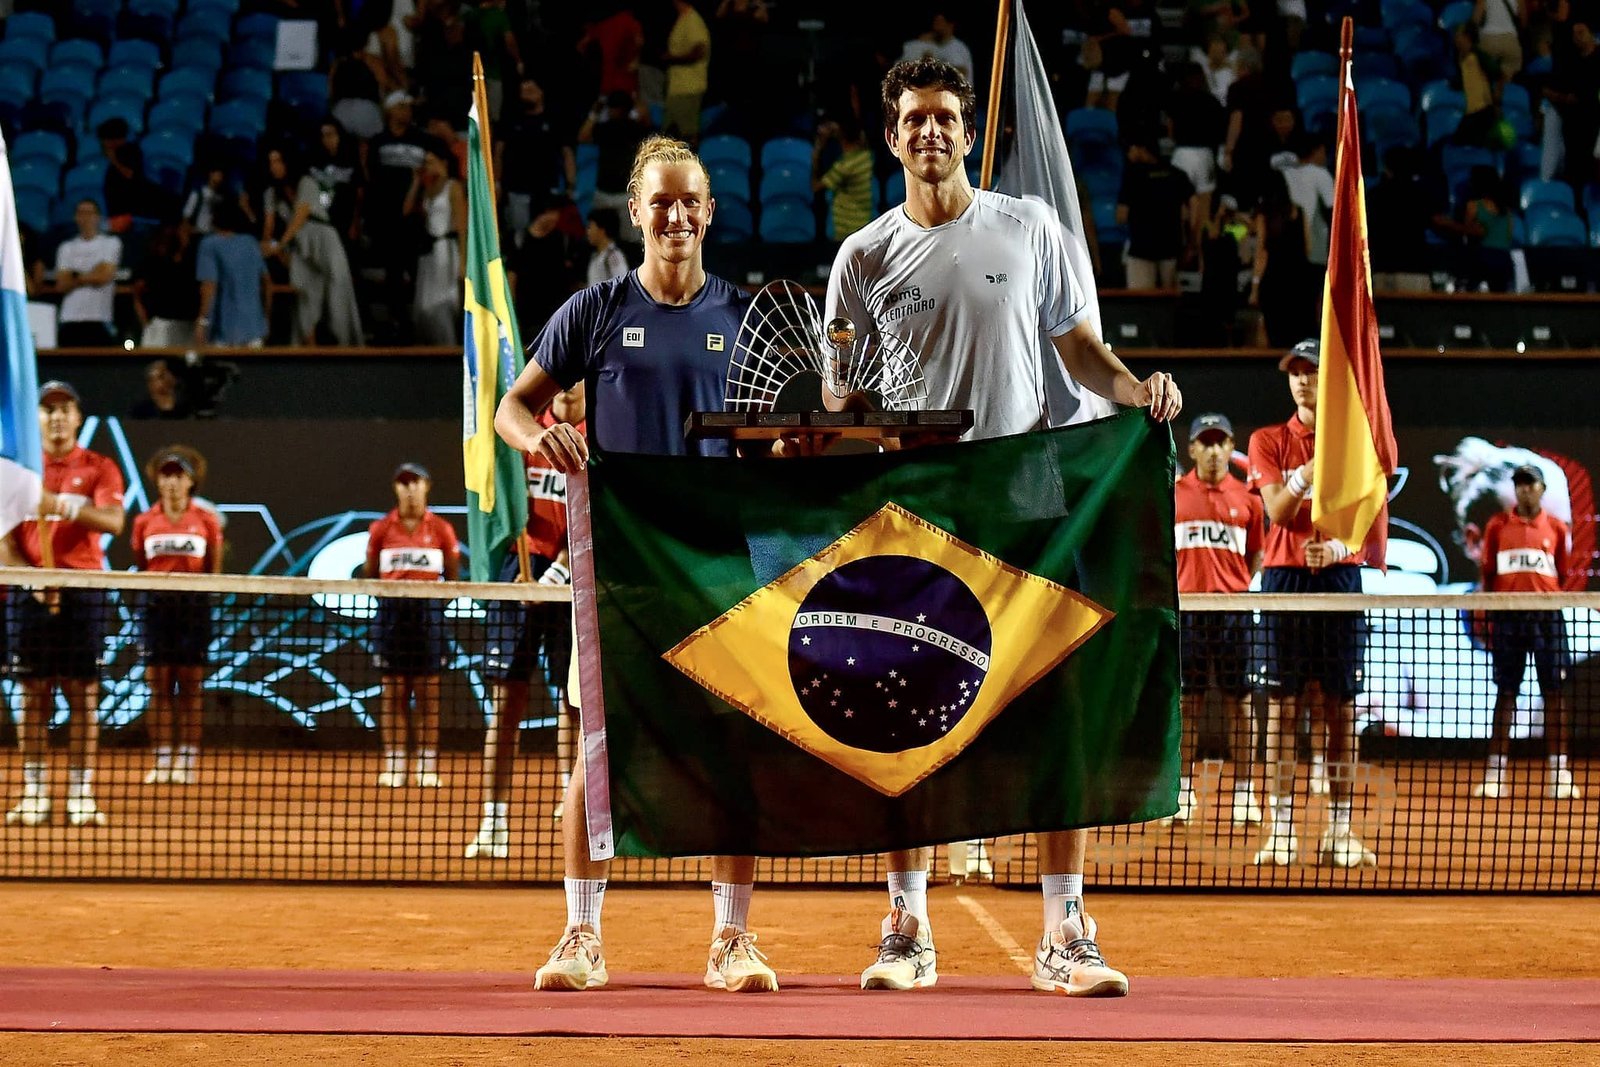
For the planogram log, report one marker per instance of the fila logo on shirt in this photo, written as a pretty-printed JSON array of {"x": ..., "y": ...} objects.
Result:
[
  {"x": 430, "y": 560},
  {"x": 1210, "y": 534},
  {"x": 546, "y": 484},
  {"x": 1526, "y": 561},
  {"x": 633, "y": 337},
  {"x": 186, "y": 545},
  {"x": 713, "y": 342}
]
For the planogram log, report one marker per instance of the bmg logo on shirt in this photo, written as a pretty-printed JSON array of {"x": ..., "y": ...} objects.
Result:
[{"x": 633, "y": 337}]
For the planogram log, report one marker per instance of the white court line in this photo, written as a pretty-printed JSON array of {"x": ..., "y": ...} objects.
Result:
[{"x": 998, "y": 933}]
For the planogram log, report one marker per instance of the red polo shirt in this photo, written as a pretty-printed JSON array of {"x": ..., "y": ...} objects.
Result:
[
  {"x": 547, "y": 500},
  {"x": 1218, "y": 530},
  {"x": 1275, "y": 453},
  {"x": 95, "y": 480},
  {"x": 411, "y": 555},
  {"x": 1524, "y": 555},
  {"x": 159, "y": 544}
]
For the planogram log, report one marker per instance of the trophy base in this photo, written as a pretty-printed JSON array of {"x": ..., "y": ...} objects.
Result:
[{"x": 905, "y": 427}]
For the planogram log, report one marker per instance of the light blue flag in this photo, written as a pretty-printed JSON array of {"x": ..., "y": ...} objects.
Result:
[{"x": 19, "y": 375}]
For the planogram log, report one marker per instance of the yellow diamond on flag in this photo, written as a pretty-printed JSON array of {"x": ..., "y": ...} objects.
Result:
[{"x": 889, "y": 651}]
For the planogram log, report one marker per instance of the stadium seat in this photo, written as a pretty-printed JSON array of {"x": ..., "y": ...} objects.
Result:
[
  {"x": 784, "y": 222},
  {"x": 1519, "y": 232},
  {"x": 130, "y": 109},
  {"x": 1091, "y": 126},
  {"x": 137, "y": 55},
  {"x": 77, "y": 52},
  {"x": 30, "y": 26},
  {"x": 154, "y": 17},
  {"x": 1371, "y": 65},
  {"x": 22, "y": 53},
  {"x": 729, "y": 180},
  {"x": 734, "y": 223},
  {"x": 1318, "y": 93},
  {"x": 173, "y": 142},
  {"x": 257, "y": 28},
  {"x": 1397, "y": 13},
  {"x": 203, "y": 24},
  {"x": 84, "y": 183},
  {"x": 237, "y": 119},
  {"x": 1552, "y": 226},
  {"x": 186, "y": 81},
  {"x": 894, "y": 189},
  {"x": 1440, "y": 92},
  {"x": 68, "y": 87},
  {"x": 1387, "y": 128},
  {"x": 793, "y": 151},
  {"x": 1517, "y": 107},
  {"x": 1425, "y": 61},
  {"x": 95, "y": 18},
  {"x": 1310, "y": 64},
  {"x": 41, "y": 175},
  {"x": 1524, "y": 160},
  {"x": 16, "y": 83},
  {"x": 1465, "y": 157},
  {"x": 246, "y": 83},
  {"x": 33, "y": 209},
  {"x": 1536, "y": 191},
  {"x": 167, "y": 171},
  {"x": 1442, "y": 119},
  {"x": 42, "y": 145},
  {"x": 179, "y": 112},
  {"x": 1591, "y": 200},
  {"x": 306, "y": 91},
  {"x": 779, "y": 182},
  {"x": 129, "y": 81},
  {"x": 199, "y": 54},
  {"x": 1455, "y": 14},
  {"x": 1376, "y": 93},
  {"x": 252, "y": 53},
  {"x": 726, "y": 148}
]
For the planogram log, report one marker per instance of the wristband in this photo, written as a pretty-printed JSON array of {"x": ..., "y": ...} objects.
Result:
[
  {"x": 1338, "y": 550},
  {"x": 69, "y": 507},
  {"x": 1297, "y": 484},
  {"x": 556, "y": 574}
]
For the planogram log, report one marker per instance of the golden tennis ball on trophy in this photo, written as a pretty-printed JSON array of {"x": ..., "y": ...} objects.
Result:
[{"x": 841, "y": 332}]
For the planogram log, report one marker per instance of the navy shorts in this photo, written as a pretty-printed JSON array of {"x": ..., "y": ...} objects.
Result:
[
  {"x": 1217, "y": 647},
  {"x": 71, "y": 643},
  {"x": 408, "y": 636},
  {"x": 176, "y": 629},
  {"x": 516, "y": 632},
  {"x": 1326, "y": 647},
  {"x": 1515, "y": 635}
]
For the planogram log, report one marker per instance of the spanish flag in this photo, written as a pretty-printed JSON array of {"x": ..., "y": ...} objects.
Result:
[
  {"x": 1355, "y": 449},
  {"x": 497, "y": 494}
]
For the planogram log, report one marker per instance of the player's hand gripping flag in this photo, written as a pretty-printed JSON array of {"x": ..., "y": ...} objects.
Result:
[
  {"x": 497, "y": 495},
  {"x": 21, "y": 458},
  {"x": 1355, "y": 449}
]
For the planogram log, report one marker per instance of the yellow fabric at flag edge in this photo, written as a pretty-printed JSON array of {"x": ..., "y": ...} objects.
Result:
[{"x": 485, "y": 326}]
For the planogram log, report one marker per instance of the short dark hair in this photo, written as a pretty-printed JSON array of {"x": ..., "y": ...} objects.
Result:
[
  {"x": 927, "y": 73},
  {"x": 608, "y": 220}
]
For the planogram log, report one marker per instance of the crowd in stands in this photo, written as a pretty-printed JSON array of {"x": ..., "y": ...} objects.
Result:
[{"x": 154, "y": 145}]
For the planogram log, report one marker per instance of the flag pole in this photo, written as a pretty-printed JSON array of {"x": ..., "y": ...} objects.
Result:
[
  {"x": 480, "y": 101},
  {"x": 997, "y": 79},
  {"x": 1347, "y": 33}
]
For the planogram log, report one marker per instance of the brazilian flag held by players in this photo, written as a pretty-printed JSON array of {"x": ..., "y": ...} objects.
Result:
[{"x": 851, "y": 654}]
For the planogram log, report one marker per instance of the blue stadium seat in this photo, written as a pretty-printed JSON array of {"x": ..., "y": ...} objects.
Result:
[
  {"x": 30, "y": 26},
  {"x": 1517, "y": 108},
  {"x": 306, "y": 91},
  {"x": 246, "y": 83},
  {"x": 894, "y": 189},
  {"x": 1388, "y": 128},
  {"x": 130, "y": 109},
  {"x": 726, "y": 148},
  {"x": 792, "y": 151},
  {"x": 1377, "y": 93},
  {"x": 1536, "y": 191},
  {"x": 90, "y": 165},
  {"x": 69, "y": 87},
  {"x": 1443, "y": 119},
  {"x": 84, "y": 183},
  {"x": 172, "y": 142},
  {"x": 145, "y": 55},
  {"x": 1553, "y": 226},
  {"x": 33, "y": 209},
  {"x": 1309, "y": 64},
  {"x": 780, "y": 181},
  {"x": 253, "y": 53},
  {"x": 207, "y": 24},
  {"x": 23, "y": 53},
  {"x": 157, "y": 13},
  {"x": 43, "y": 145},
  {"x": 1091, "y": 126},
  {"x": 167, "y": 158},
  {"x": 77, "y": 52},
  {"x": 95, "y": 18},
  {"x": 1454, "y": 14},
  {"x": 223, "y": 7},
  {"x": 1465, "y": 157},
  {"x": 257, "y": 28},
  {"x": 129, "y": 81},
  {"x": 16, "y": 84},
  {"x": 1591, "y": 200},
  {"x": 1369, "y": 65},
  {"x": 1425, "y": 61},
  {"x": 180, "y": 112},
  {"x": 199, "y": 53},
  {"x": 734, "y": 223},
  {"x": 1440, "y": 92},
  {"x": 41, "y": 175},
  {"x": 1524, "y": 160},
  {"x": 1318, "y": 93},
  {"x": 186, "y": 81},
  {"x": 1397, "y": 13},
  {"x": 239, "y": 120},
  {"x": 784, "y": 222},
  {"x": 729, "y": 181}
]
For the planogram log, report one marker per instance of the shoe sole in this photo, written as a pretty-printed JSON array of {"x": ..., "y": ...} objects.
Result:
[
  {"x": 556, "y": 982},
  {"x": 926, "y": 981},
  {"x": 26, "y": 820},
  {"x": 1109, "y": 987},
  {"x": 753, "y": 983}
]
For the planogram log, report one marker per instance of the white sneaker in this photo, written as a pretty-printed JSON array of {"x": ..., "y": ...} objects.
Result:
[
  {"x": 906, "y": 956},
  {"x": 1562, "y": 787},
  {"x": 82, "y": 811},
  {"x": 392, "y": 779},
  {"x": 1342, "y": 848},
  {"x": 425, "y": 779},
  {"x": 1068, "y": 961},
  {"x": 576, "y": 963},
  {"x": 493, "y": 840},
  {"x": 182, "y": 776},
  {"x": 1493, "y": 787},
  {"x": 158, "y": 776},
  {"x": 1281, "y": 849},
  {"x": 31, "y": 810},
  {"x": 1319, "y": 778},
  {"x": 735, "y": 964},
  {"x": 1246, "y": 810}
]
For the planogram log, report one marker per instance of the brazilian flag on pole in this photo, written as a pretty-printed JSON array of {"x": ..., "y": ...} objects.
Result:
[{"x": 497, "y": 494}]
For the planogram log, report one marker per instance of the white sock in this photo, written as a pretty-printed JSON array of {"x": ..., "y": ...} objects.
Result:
[
  {"x": 584, "y": 897},
  {"x": 428, "y": 761},
  {"x": 1340, "y": 815},
  {"x": 33, "y": 779},
  {"x": 80, "y": 781},
  {"x": 496, "y": 810},
  {"x": 1185, "y": 784},
  {"x": 1058, "y": 890},
  {"x": 394, "y": 761},
  {"x": 1497, "y": 767},
  {"x": 731, "y": 903},
  {"x": 908, "y": 890},
  {"x": 1282, "y": 814},
  {"x": 1557, "y": 763},
  {"x": 187, "y": 756},
  {"x": 163, "y": 756}
]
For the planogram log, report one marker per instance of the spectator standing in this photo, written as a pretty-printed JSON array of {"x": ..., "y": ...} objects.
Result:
[
  {"x": 534, "y": 156},
  {"x": 1251, "y": 103},
  {"x": 57, "y": 637},
  {"x": 849, "y": 179},
  {"x": 200, "y": 206},
  {"x": 607, "y": 260},
  {"x": 1486, "y": 225},
  {"x": 437, "y": 197},
  {"x": 1154, "y": 205},
  {"x": 1199, "y": 125},
  {"x": 295, "y": 225},
  {"x": 1281, "y": 283},
  {"x": 176, "y": 535},
  {"x": 1310, "y": 186},
  {"x": 547, "y": 268},
  {"x": 1476, "y": 77},
  {"x": 340, "y": 174},
  {"x": 444, "y": 61},
  {"x": 1499, "y": 25},
  {"x": 1407, "y": 202},
  {"x": 489, "y": 31},
  {"x": 393, "y": 159},
  {"x": 394, "y": 45},
  {"x": 616, "y": 132},
  {"x": 1528, "y": 550},
  {"x": 166, "y": 296},
  {"x": 940, "y": 42},
  {"x": 354, "y": 91},
  {"x": 745, "y": 59},
  {"x": 162, "y": 399},
  {"x": 687, "y": 59},
  {"x": 234, "y": 284},
  {"x": 619, "y": 40},
  {"x": 1574, "y": 90},
  {"x": 127, "y": 191},
  {"x": 1219, "y": 68},
  {"x": 86, "y": 278}
]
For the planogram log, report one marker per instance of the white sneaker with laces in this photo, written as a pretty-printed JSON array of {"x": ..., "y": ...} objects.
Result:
[
  {"x": 906, "y": 956},
  {"x": 1342, "y": 848},
  {"x": 82, "y": 811},
  {"x": 425, "y": 779},
  {"x": 158, "y": 776},
  {"x": 392, "y": 779},
  {"x": 1562, "y": 787},
  {"x": 1493, "y": 787},
  {"x": 1068, "y": 960},
  {"x": 1246, "y": 809},
  {"x": 576, "y": 963},
  {"x": 493, "y": 840},
  {"x": 32, "y": 810},
  {"x": 735, "y": 964},
  {"x": 1280, "y": 850}
]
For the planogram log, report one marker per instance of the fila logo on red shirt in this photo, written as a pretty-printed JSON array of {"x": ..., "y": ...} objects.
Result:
[
  {"x": 1210, "y": 534},
  {"x": 411, "y": 559},
  {"x": 1526, "y": 561},
  {"x": 178, "y": 544}
]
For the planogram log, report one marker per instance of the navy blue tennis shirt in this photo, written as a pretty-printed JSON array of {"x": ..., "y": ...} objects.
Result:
[{"x": 647, "y": 365}]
